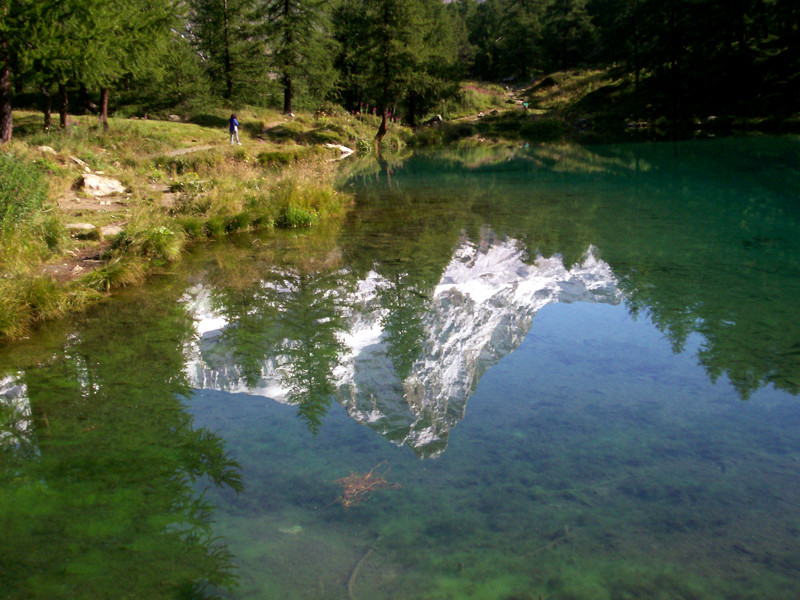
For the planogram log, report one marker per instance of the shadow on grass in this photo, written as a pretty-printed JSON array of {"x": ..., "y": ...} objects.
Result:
[{"x": 207, "y": 120}]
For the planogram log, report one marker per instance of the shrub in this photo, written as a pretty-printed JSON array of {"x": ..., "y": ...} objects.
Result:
[{"x": 23, "y": 190}]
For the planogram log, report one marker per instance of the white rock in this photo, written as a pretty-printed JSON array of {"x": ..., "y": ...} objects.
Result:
[
  {"x": 82, "y": 231},
  {"x": 109, "y": 231},
  {"x": 99, "y": 185}
]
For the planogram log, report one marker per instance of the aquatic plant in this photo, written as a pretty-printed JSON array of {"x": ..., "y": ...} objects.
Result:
[{"x": 358, "y": 487}]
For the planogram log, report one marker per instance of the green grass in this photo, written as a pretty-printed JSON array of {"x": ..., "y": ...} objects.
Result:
[
  {"x": 473, "y": 98},
  {"x": 119, "y": 272},
  {"x": 23, "y": 190},
  {"x": 278, "y": 178}
]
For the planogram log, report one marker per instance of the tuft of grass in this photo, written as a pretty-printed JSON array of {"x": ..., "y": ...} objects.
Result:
[
  {"x": 238, "y": 222},
  {"x": 44, "y": 298},
  {"x": 215, "y": 227},
  {"x": 291, "y": 217},
  {"x": 151, "y": 235},
  {"x": 117, "y": 273},
  {"x": 15, "y": 315},
  {"x": 26, "y": 300},
  {"x": 192, "y": 226},
  {"x": 262, "y": 220},
  {"x": 51, "y": 231}
]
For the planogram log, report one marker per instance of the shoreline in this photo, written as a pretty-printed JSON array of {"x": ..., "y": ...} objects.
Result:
[{"x": 176, "y": 184}]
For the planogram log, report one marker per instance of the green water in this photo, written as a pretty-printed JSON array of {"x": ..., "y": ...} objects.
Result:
[{"x": 577, "y": 371}]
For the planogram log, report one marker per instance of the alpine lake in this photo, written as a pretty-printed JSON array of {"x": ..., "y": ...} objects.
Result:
[{"x": 547, "y": 373}]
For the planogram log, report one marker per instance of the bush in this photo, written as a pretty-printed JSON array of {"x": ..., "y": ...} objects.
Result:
[{"x": 23, "y": 190}]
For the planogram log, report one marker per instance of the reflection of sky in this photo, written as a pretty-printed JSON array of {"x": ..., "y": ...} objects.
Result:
[
  {"x": 479, "y": 312},
  {"x": 15, "y": 412}
]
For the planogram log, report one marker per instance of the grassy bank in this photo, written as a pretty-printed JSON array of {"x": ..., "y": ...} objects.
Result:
[
  {"x": 180, "y": 182},
  {"x": 582, "y": 106}
]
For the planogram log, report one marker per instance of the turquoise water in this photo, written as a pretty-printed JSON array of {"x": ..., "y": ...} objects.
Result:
[{"x": 573, "y": 373}]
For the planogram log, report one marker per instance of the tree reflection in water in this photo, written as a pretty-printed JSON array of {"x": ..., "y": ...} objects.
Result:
[{"x": 110, "y": 502}]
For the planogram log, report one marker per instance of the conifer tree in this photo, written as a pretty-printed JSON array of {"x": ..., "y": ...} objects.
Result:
[
  {"x": 299, "y": 45},
  {"x": 221, "y": 31},
  {"x": 569, "y": 33},
  {"x": 397, "y": 54},
  {"x": 21, "y": 24}
]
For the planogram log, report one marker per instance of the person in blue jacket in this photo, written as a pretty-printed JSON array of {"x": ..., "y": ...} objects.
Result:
[{"x": 233, "y": 126}]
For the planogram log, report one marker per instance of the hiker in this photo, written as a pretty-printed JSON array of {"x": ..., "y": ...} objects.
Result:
[{"x": 233, "y": 125}]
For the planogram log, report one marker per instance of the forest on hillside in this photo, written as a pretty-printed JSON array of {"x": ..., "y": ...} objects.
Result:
[{"x": 681, "y": 57}]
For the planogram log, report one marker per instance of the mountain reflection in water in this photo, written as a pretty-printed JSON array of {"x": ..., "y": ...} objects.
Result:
[{"x": 481, "y": 310}]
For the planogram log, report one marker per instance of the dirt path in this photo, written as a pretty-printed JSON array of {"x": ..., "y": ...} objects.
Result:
[{"x": 190, "y": 150}]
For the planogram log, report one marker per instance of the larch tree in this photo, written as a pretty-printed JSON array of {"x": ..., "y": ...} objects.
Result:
[
  {"x": 220, "y": 29},
  {"x": 398, "y": 55},
  {"x": 22, "y": 23},
  {"x": 298, "y": 43}
]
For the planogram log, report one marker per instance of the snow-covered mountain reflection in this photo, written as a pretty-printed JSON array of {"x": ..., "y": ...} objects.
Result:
[
  {"x": 480, "y": 311},
  {"x": 15, "y": 414}
]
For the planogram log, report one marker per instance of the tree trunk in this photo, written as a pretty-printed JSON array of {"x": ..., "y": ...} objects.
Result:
[
  {"x": 288, "y": 94},
  {"x": 227, "y": 42},
  {"x": 6, "y": 120},
  {"x": 47, "y": 108},
  {"x": 411, "y": 117},
  {"x": 381, "y": 130},
  {"x": 104, "y": 107},
  {"x": 62, "y": 110},
  {"x": 86, "y": 104}
]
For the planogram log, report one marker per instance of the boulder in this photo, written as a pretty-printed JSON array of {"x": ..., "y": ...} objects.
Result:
[
  {"x": 46, "y": 150},
  {"x": 82, "y": 231},
  {"x": 99, "y": 185},
  {"x": 110, "y": 231},
  {"x": 174, "y": 118}
]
